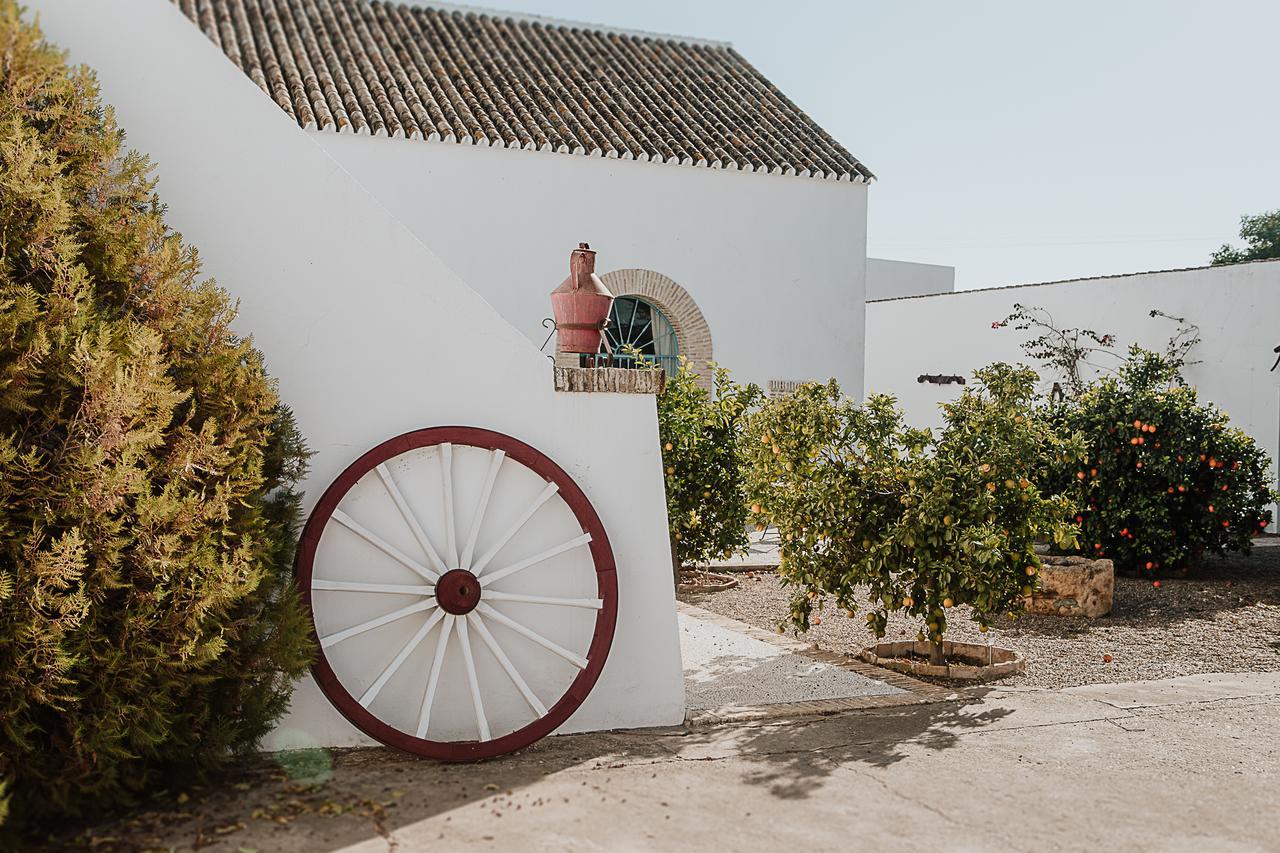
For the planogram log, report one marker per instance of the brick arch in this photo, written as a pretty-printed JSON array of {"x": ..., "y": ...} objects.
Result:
[{"x": 693, "y": 335}]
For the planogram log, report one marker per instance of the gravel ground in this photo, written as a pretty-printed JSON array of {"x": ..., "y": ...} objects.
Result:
[{"x": 1224, "y": 619}]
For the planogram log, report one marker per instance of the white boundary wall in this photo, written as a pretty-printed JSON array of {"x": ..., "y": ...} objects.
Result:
[
  {"x": 776, "y": 263},
  {"x": 368, "y": 332},
  {"x": 1236, "y": 307}
]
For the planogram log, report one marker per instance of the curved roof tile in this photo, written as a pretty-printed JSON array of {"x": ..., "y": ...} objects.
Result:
[{"x": 392, "y": 69}]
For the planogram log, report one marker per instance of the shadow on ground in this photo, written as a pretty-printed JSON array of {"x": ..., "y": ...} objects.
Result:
[
  {"x": 793, "y": 760},
  {"x": 331, "y": 799},
  {"x": 370, "y": 793}
]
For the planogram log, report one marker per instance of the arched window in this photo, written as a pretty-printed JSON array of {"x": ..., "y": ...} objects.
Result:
[{"x": 639, "y": 331}]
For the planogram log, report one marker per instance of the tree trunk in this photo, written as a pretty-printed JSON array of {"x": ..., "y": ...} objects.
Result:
[
  {"x": 675, "y": 565},
  {"x": 936, "y": 656}
]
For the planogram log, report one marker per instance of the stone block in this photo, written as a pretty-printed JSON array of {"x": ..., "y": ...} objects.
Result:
[{"x": 1073, "y": 586}]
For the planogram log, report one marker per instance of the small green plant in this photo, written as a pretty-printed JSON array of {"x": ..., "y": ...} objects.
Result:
[
  {"x": 1166, "y": 477},
  {"x": 869, "y": 508},
  {"x": 698, "y": 428}
]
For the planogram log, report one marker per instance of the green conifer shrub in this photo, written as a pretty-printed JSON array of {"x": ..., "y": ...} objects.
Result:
[{"x": 148, "y": 621}]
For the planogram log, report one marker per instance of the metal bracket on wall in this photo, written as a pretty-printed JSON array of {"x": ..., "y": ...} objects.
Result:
[
  {"x": 940, "y": 379},
  {"x": 548, "y": 323},
  {"x": 1277, "y": 364}
]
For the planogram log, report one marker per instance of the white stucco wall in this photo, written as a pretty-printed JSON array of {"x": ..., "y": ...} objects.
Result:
[
  {"x": 893, "y": 279},
  {"x": 776, "y": 263},
  {"x": 1236, "y": 308},
  {"x": 368, "y": 332}
]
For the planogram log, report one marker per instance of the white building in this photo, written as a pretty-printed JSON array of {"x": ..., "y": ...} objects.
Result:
[
  {"x": 914, "y": 343},
  {"x": 371, "y": 336},
  {"x": 735, "y": 225}
]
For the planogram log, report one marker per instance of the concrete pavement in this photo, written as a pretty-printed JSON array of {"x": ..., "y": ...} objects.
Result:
[{"x": 1181, "y": 764}]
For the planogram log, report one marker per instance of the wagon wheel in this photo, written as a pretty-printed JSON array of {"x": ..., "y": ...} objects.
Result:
[{"x": 463, "y": 593}]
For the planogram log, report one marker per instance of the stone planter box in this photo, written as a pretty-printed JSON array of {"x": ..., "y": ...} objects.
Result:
[
  {"x": 1073, "y": 586},
  {"x": 980, "y": 663}
]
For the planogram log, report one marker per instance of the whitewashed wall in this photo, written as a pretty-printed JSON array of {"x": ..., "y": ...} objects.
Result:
[
  {"x": 893, "y": 279},
  {"x": 368, "y": 332},
  {"x": 1237, "y": 309},
  {"x": 776, "y": 263}
]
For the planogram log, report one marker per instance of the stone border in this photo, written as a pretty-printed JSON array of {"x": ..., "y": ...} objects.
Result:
[
  {"x": 917, "y": 692},
  {"x": 901, "y": 657},
  {"x": 609, "y": 380}
]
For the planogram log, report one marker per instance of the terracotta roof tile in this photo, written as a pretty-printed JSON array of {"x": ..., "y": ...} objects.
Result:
[{"x": 454, "y": 75}]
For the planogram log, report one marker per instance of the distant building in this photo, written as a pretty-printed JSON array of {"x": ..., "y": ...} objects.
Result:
[{"x": 894, "y": 279}]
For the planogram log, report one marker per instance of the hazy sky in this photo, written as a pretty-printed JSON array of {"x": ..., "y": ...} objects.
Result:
[{"x": 1021, "y": 140}]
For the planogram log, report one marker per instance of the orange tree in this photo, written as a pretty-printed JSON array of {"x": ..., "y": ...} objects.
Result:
[
  {"x": 698, "y": 426},
  {"x": 877, "y": 515},
  {"x": 1166, "y": 477}
]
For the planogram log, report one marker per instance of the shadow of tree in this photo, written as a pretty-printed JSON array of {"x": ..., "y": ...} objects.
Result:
[{"x": 794, "y": 759}]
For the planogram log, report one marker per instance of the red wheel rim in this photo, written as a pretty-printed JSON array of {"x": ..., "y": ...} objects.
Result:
[{"x": 606, "y": 585}]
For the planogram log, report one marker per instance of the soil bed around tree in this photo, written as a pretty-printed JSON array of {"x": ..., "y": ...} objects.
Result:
[{"x": 1225, "y": 618}]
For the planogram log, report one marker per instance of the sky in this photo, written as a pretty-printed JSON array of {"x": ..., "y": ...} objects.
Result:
[{"x": 1020, "y": 140}]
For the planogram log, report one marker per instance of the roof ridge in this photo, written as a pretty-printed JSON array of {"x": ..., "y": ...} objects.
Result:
[{"x": 568, "y": 23}]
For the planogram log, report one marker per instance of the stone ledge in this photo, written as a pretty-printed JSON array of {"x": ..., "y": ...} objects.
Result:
[{"x": 609, "y": 380}]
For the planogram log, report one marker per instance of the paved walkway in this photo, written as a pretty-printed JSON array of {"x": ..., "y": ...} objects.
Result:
[
  {"x": 1187, "y": 764},
  {"x": 727, "y": 668}
]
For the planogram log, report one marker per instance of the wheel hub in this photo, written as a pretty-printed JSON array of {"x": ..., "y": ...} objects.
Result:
[{"x": 458, "y": 592}]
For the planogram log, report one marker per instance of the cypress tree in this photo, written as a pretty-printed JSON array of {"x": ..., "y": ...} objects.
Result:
[{"x": 148, "y": 622}]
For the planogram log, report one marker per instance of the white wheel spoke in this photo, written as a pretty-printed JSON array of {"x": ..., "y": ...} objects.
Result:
[
  {"x": 433, "y": 679},
  {"x": 410, "y": 519},
  {"x": 389, "y": 588},
  {"x": 547, "y": 494},
  {"x": 382, "y": 545},
  {"x": 588, "y": 603},
  {"x": 495, "y": 462},
  {"x": 446, "y": 476},
  {"x": 482, "y": 724},
  {"x": 338, "y": 637},
  {"x": 576, "y": 542},
  {"x": 576, "y": 660},
  {"x": 372, "y": 692},
  {"x": 538, "y": 708}
]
